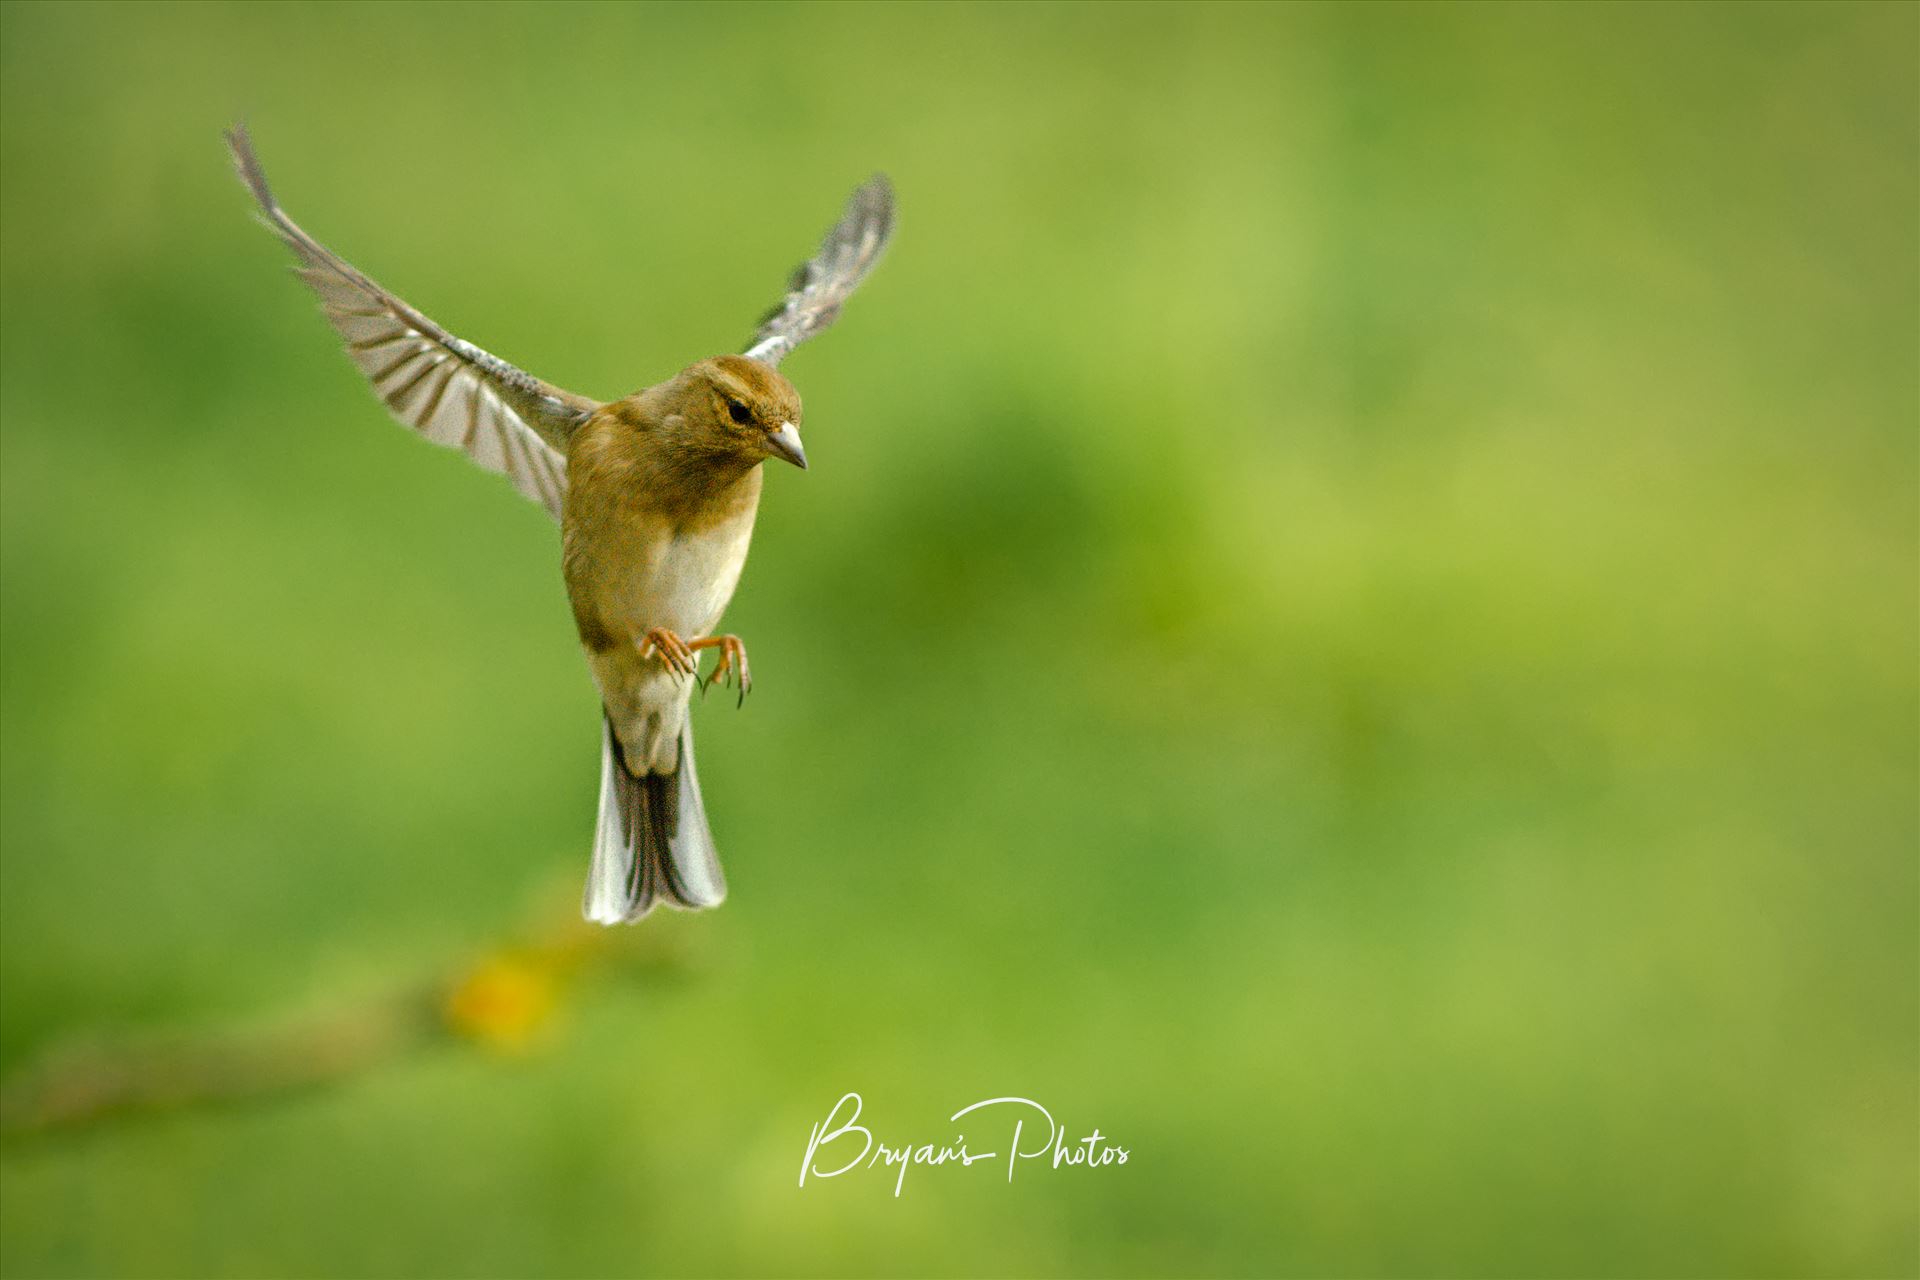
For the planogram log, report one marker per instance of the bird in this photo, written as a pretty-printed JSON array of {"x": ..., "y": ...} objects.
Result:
[{"x": 655, "y": 494}]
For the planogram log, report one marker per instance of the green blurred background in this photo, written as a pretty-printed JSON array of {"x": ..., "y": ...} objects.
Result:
[{"x": 1353, "y": 625}]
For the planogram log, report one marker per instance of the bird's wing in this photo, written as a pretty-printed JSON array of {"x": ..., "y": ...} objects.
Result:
[
  {"x": 827, "y": 279},
  {"x": 443, "y": 387}
]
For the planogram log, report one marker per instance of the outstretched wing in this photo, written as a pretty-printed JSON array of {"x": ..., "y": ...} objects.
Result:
[
  {"x": 447, "y": 389},
  {"x": 826, "y": 280}
]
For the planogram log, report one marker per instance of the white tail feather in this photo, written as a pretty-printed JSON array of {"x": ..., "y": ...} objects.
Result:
[{"x": 651, "y": 842}]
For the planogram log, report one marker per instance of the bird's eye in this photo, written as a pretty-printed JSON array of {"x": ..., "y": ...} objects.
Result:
[{"x": 739, "y": 412}]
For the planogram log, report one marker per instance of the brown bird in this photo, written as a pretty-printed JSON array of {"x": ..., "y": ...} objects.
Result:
[{"x": 655, "y": 495}]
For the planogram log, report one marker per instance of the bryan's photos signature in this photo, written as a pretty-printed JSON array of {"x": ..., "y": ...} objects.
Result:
[{"x": 841, "y": 1144}]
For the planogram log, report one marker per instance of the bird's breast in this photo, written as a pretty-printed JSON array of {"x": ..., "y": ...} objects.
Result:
[
  {"x": 654, "y": 573},
  {"x": 649, "y": 545},
  {"x": 687, "y": 583}
]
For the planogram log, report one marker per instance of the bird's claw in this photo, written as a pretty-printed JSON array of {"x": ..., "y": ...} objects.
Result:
[
  {"x": 732, "y": 664},
  {"x": 678, "y": 657},
  {"x": 674, "y": 652}
]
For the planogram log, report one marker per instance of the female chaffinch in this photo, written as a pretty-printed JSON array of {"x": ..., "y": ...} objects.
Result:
[{"x": 655, "y": 495}]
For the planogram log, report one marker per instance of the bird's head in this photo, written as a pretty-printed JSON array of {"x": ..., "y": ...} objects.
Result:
[{"x": 744, "y": 407}]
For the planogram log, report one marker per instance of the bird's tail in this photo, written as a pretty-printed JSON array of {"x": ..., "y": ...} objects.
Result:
[{"x": 652, "y": 843}]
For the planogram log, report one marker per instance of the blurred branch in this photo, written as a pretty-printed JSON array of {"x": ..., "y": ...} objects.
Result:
[
  {"x": 83, "y": 1081},
  {"x": 503, "y": 1001}
]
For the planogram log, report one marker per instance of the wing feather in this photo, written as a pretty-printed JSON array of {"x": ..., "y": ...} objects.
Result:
[
  {"x": 443, "y": 387},
  {"x": 824, "y": 282}
]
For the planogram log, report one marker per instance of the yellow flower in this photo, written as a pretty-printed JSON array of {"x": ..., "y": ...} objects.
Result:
[{"x": 504, "y": 1002}]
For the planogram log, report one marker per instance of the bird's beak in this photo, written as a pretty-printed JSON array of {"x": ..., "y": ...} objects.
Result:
[{"x": 786, "y": 443}]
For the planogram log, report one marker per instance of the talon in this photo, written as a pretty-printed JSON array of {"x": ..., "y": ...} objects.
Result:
[
  {"x": 732, "y": 665},
  {"x": 670, "y": 649}
]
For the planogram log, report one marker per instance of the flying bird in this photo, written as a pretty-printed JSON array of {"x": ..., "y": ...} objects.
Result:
[{"x": 655, "y": 494}]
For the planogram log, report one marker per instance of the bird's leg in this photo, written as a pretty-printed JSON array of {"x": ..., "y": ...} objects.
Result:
[
  {"x": 671, "y": 650},
  {"x": 733, "y": 658}
]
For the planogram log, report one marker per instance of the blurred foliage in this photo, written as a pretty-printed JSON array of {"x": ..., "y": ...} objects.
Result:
[{"x": 1353, "y": 624}]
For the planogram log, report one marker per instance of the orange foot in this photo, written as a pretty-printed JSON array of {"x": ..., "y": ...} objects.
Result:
[
  {"x": 733, "y": 659},
  {"x": 676, "y": 653}
]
